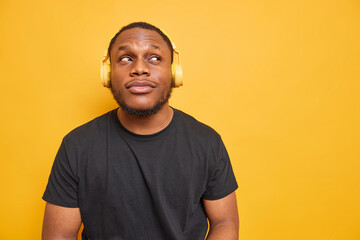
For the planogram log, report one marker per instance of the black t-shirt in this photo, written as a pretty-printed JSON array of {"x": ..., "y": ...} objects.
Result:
[{"x": 141, "y": 187}]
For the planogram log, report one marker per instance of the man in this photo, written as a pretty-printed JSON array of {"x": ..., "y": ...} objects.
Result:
[{"x": 144, "y": 170}]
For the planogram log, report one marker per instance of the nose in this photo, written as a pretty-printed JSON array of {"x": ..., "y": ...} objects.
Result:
[{"x": 139, "y": 68}]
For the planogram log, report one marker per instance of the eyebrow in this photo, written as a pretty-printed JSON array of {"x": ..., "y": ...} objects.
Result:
[
  {"x": 154, "y": 46},
  {"x": 125, "y": 47}
]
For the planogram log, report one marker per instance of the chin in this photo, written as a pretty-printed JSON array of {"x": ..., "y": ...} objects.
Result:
[
  {"x": 141, "y": 112},
  {"x": 143, "y": 108}
]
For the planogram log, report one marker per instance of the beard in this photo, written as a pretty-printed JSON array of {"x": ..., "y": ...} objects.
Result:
[{"x": 141, "y": 112}]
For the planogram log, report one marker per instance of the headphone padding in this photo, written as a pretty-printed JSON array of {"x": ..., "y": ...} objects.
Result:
[
  {"x": 105, "y": 72},
  {"x": 177, "y": 74}
]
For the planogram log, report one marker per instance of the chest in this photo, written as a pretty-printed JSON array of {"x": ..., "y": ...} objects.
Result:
[{"x": 123, "y": 172}]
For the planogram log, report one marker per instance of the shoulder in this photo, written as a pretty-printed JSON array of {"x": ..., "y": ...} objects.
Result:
[
  {"x": 196, "y": 128},
  {"x": 91, "y": 130}
]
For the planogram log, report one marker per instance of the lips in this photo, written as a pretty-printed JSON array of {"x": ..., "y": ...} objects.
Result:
[{"x": 140, "y": 86}]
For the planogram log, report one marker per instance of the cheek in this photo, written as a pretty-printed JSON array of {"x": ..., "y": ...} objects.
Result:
[
  {"x": 163, "y": 75},
  {"x": 118, "y": 75}
]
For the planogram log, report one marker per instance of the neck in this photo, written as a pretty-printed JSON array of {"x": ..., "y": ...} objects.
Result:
[{"x": 145, "y": 125}]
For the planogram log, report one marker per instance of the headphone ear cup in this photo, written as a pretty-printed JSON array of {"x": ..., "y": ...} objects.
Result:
[
  {"x": 177, "y": 74},
  {"x": 105, "y": 72}
]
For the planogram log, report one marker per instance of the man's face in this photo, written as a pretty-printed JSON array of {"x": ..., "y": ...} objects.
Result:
[{"x": 140, "y": 71}]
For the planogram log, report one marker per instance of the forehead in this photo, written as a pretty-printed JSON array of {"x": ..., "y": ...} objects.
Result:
[{"x": 138, "y": 37}]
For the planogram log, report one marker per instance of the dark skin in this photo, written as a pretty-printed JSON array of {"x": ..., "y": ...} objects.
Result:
[
  {"x": 141, "y": 73},
  {"x": 142, "y": 58}
]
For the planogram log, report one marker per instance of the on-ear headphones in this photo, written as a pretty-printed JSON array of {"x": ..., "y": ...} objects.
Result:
[{"x": 176, "y": 69}]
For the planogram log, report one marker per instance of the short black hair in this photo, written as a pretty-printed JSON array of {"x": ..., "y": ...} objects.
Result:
[{"x": 142, "y": 25}]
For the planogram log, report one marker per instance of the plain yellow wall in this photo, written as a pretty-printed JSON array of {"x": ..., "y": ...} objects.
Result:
[{"x": 279, "y": 80}]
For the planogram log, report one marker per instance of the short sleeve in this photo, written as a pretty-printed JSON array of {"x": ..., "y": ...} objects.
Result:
[
  {"x": 222, "y": 180},
  {"x": 62, "y": 185}
]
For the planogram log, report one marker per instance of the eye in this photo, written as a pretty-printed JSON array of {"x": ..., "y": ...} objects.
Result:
[
  {"x": 125, "y": 59},
  {"x": 154, "y": 59}
]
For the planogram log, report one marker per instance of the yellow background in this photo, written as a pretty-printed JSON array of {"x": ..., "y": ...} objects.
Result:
[{"x": 279, "y": 80}]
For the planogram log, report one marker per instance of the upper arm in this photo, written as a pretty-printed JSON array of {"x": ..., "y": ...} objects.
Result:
[
  {"x": 222, "y": 211},
  {"x": 60, "y": 222}
]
